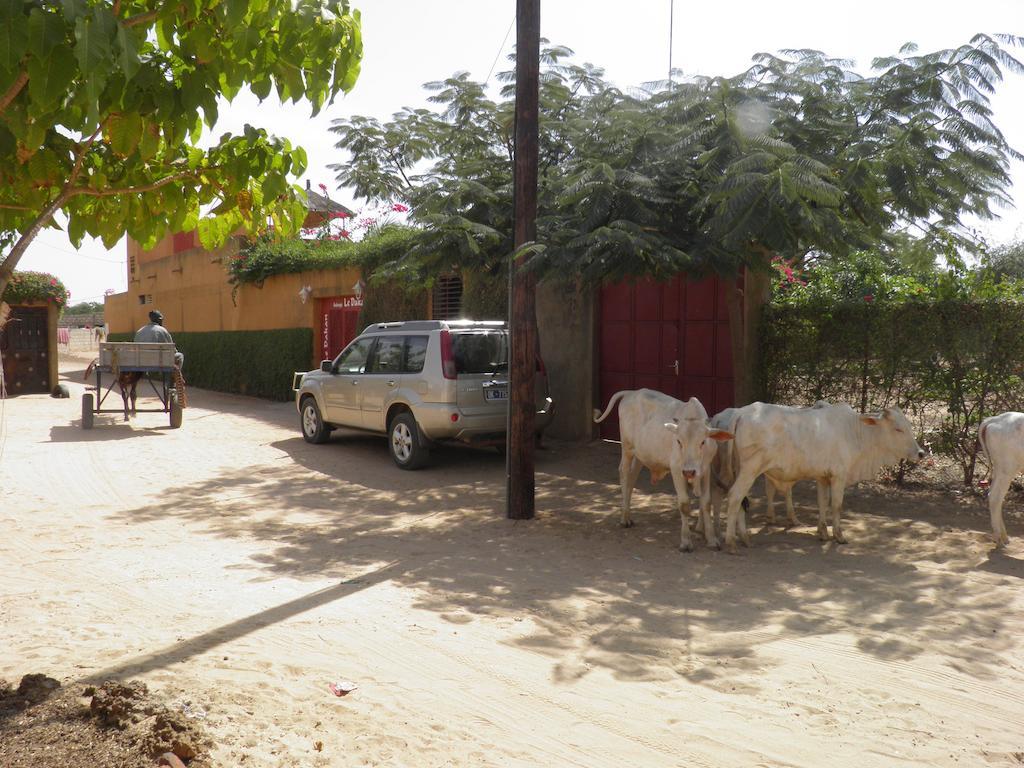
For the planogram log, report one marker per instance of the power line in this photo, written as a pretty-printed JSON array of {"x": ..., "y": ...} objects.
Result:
[
  {"x": 671, "y": 25},
  {"x": 502, "y": 48},
  {"x": 77, "y": 253}
]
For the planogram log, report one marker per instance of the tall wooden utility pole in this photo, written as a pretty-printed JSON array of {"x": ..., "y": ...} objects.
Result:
[{"x": 523, "y": 283}]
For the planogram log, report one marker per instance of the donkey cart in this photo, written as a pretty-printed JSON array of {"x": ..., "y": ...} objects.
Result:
[{"x": 124, "y": 364}]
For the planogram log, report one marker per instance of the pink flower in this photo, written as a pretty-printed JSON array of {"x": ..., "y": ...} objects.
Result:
[
  {"x": 344, "y": 233},
  {"x": 869, "y": 298},
  {"x": 399, "y": 208},
  {"x": 53, "y": 281},
  {"x": 323, "y": 188}
]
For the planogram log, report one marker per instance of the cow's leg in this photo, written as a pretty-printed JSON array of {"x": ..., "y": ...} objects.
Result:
[
  {"x": 996, "y": 494},
  {"x": 629, "y": 471},
  {"x": 124, "y": 400},
  {"x": 740, "y": 488},
  {"x": 790, "y": 511},
  {"x": 837, "y": 487},
  {"x": 135, "y": 383},
  {"x": 704, "y": 517},
  {"x": 717, "y": 497},
  {"x": 769, "y": 499},
  {"x": 683, "y": 503},
  {"x": 822, "y": 510}
]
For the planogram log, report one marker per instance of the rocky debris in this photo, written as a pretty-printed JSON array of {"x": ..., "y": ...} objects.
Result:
[
  {"x": 118, "y": 724},
  {"x": 119, "y": 704},
  {"x": 33, "y": 689},
  {"x": 157, "y": 728}
]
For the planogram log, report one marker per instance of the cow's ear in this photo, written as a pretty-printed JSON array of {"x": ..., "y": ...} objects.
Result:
[
  {"x": 671, "y": 426},
  {"x": 720, "y": 434},
  {"x": 872, "y": 420}
]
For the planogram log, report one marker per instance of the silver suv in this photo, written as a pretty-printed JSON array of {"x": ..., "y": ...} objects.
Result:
[{"x": 417, "y": 382}]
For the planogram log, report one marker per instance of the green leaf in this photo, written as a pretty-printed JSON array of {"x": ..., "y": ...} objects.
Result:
[
  {"x": 14, "y": 34},
  {"x": 127, "y": 51},
  {"x": 45, "y": 32},
  {"x": 149, "y": 141},
  {"x": 123, "y": 133},
  {"x": 49, "y": 78},
  {"x": 93, "y": 35}
]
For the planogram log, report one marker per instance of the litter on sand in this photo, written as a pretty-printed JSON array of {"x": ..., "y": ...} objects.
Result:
[{"x": 342, "y": 687}]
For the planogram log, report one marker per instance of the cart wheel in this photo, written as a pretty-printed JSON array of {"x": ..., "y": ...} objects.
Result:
[
  {"x": 175, "y": 413},
  {"x": 87, "y": 414}
]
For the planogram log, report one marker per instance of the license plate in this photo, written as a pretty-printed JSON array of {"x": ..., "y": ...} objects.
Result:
[{"x": 496, "y": 394}]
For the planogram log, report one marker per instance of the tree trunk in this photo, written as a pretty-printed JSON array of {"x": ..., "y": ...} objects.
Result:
[{"x": 746, "y": 308}]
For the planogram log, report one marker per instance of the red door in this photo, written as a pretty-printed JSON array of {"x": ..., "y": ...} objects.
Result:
[
  {"x": 24, "y": 346},
  {"x": 339, "y": 324},
  {"x": 671, "y": 336}
]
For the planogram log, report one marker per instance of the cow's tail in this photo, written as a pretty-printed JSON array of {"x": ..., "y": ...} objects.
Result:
[
  {"x": 984, "y": 450},
  {"x": 599, "y": 417}
]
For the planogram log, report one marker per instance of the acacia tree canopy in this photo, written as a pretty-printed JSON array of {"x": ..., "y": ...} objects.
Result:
[
  {"x": 798, "y": 155},
  {"x": 103, "y": 105}
]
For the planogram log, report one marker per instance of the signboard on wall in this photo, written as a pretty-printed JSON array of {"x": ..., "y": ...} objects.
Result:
[{"x": 339, "y": 324}]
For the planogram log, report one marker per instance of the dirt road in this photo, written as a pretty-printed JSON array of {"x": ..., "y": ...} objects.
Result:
[{"x": 234, "y": 567}]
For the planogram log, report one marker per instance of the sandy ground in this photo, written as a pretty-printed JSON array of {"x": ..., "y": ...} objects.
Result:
[{"x": 239, "y": 570}]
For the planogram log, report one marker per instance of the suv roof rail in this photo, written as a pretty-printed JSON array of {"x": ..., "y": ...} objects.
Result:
[{"x": 432, "y": 325}]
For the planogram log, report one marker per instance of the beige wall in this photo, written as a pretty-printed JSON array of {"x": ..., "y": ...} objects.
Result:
[
  {"x": 566, "y": 326},
  {"x": 191, "y": 289}
]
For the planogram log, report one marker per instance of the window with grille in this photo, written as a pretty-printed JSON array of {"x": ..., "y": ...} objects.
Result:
[{"x": 447, "y": 299}]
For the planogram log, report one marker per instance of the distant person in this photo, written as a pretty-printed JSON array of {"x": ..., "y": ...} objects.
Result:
[
  {"x": 101, "y": 333},
  {"x": 155, "y": 333}
]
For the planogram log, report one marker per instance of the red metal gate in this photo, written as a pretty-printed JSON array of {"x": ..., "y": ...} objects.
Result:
[
  {"x": 339, "y": 324},
  {"x": 671, "y": 336}
]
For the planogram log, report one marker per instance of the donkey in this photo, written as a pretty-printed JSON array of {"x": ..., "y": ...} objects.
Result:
[{"x": 127, "y": 381}]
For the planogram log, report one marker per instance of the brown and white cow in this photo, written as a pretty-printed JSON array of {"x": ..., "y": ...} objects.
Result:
[
  {"x": 668, "y": 437},
  {"x": 1002, "y": 440},
  {"x": 832, "y": 445}
]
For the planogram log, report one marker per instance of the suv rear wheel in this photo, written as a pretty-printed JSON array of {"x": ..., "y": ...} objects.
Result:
[
  {"x": 404, "y": 442},
  {"x": 313, "y": 428}
]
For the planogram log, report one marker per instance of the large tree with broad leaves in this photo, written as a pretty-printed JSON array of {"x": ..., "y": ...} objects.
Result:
[
  {"x": 103, "y": 105},
  {"x": 798, "y": 157}
]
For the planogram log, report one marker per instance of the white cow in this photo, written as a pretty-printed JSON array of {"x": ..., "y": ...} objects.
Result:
[
  {"x": 725, "y": 471},
  {"x": 668, "y": 437},
  {"x": 1002, "y": 440},
  {"x": 832, "y": 445}
]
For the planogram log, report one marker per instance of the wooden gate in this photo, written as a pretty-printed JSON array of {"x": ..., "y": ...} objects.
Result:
[
  {"x": 339, "y": 324},
  {"x": 671, "y": 336},
  {"x": 24, "y": 346}
]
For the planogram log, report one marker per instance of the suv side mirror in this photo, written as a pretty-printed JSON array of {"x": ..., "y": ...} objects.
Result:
[{"x": 327, "y": 366}]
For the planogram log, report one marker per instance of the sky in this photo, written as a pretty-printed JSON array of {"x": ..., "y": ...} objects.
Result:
[{"x": 410, "y": 42}]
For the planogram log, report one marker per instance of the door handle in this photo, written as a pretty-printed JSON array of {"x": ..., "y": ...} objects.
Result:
[
  {"x": 354, "y": 382},
  {"x": 675, "y": 367},
  {"x": 391, "y": 383}
]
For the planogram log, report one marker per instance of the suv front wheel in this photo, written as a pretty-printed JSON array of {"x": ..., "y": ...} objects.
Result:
[
  {"x": 313, "y": 428},
  {"x": 404, "y": 442}
]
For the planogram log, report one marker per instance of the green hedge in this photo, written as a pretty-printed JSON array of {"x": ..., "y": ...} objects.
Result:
[{"x": 257, "y": 363}]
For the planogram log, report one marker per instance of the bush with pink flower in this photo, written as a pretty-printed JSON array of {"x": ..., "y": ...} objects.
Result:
[{"x": 27, "y": 287}]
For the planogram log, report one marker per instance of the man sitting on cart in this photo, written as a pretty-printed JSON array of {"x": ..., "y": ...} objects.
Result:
[{"x": 154, "y": 332}]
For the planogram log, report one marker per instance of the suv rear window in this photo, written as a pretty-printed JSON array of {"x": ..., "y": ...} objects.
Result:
[{"x": 480, "y": 351}]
